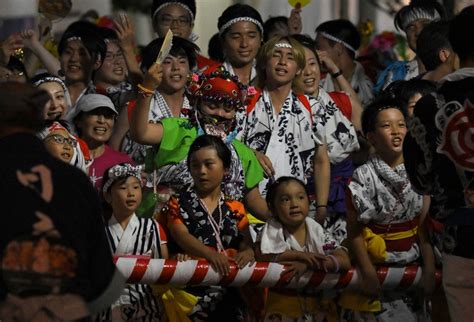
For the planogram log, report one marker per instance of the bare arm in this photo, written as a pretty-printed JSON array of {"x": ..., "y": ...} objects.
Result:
[
  {"x": 141, "y": 130},
  {"x": 256, "y": 205},
  {"x": 341, "y": 84},
  {"x": 121, "y": 128},
  {"x": 126, "y": 36},
  {"x": 428, "y": 277},
  {"x": 31, "y": 41},
  {"x": 192, "y": 246},
  {"x": 322, "y": 176},
  {"x": 369, "y": 282}
]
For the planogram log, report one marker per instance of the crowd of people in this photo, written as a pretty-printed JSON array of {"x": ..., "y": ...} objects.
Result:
[{"x": 279, "y": 148}]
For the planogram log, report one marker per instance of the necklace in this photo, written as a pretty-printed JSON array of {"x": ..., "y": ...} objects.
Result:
[{"x": 216, "y": 226}]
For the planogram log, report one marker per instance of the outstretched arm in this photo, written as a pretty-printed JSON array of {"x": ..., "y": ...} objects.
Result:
[
  {"x": 141, "y": 130},
  {"x": 31, "y": 41}
]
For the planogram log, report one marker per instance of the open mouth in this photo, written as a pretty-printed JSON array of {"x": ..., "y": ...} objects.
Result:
[
  {"x": 54, "y": 115},
  {"x": 397, "y": 142},
  {"x": 309, "y": 81},
  {"x": 281, "y": 71},
  {"x": 66, "y": 156},
  {"x": 100, "y": 130}
]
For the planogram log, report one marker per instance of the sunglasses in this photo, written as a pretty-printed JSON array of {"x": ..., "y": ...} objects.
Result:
[{"x": 59, "y": 139}]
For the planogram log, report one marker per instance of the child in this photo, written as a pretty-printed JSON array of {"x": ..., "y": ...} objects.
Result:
[
  {"x": 131, "y": 236},
  {"x": 291, "y": 237},
  {"x": 205, "y": 224},
  {"x": 384, "y": 219}
]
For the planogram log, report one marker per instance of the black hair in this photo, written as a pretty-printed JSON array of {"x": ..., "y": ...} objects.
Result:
[
  {"x": 404, "y": 90},
  {"x": 371, "y": 112},
  {"x": 90, "y": 36},
  {"x": 211, "y": 141},
  {"x": 191, "y": 4},
  {"x": 181, "y": 47},
  {"x": 429, "y": 6},
  {"x": 107, "y": 33},
  {"x": 16, "y": 64},
  {"x": 22, "y": 105},
  {"x": 460, "y": 33},
  {"x": 214, "y": 48},
  {"x": 235, "y": 11},
  {"x": 344, "y": 30},
  {"x": 271, "y": 23},
  {"x": 430, "y": 41},
  {"x": 309, "y": 43},
  {"x": 273, "y": 188}
]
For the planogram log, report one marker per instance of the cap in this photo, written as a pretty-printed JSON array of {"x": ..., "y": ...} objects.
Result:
[{"x": 90, "y": 102}]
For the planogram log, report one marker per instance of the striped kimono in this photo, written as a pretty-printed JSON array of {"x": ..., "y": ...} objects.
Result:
[{"x": 141, "y": 238}]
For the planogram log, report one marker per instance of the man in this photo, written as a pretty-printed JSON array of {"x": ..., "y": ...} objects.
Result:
[
  {"x": 339, "y": 39},
  {"x": 52, "y": 240},
  {"x": 442, "y": 131},
  {"x": 435, "y": 51}
]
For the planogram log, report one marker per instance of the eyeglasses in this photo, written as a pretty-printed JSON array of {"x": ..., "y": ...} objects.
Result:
[
  {"x": 59, "y": 139},
  {"x": 111, "y": 56},
  {"x": 167, "y": 20}
]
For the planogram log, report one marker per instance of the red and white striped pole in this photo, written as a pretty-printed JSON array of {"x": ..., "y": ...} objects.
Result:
[{"x": 260, "y": 274}]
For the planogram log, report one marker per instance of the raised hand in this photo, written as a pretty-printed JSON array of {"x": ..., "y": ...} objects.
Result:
[
  {"x": 153, "y": 77},
  {"x": 327, "y": 62},
  {"x": 30, "y": 39},
  {"x": 125, "y": 32},
  {"x": 295, "y": 25},
  {"x": 8, "y": 47}
]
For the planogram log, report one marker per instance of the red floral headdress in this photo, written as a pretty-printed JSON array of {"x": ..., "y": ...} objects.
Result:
[{"x": 221, "y": 87}]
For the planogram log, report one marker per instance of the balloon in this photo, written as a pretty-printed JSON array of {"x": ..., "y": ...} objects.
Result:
[{"x": 302, "y": 3}]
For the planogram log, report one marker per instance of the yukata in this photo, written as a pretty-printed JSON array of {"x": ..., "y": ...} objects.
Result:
[
  {"x": 223, "y": 231},
  {"x": 387, "y": 205},
  {"x": 337, "y": 131},
  {"x": 399, "y": 70},
  {"x": 439, "y": 143},
  {"x": 287, "y": 138},
  {"x": 289, "y": 305},
  {"x": 178, "y": 134},
  {"x": 360, "y": 82},
  {"x": 240, "y": 116},
  {"x": 142, "y": 238},
  {"x": 159, "y": 109}
]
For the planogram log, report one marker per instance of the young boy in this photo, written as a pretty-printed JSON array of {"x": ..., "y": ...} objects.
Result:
[{"x": 385, "y": 219}]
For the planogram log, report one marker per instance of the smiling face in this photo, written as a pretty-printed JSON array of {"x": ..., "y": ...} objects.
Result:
[
  {"x": 60, "y": 145},
  {"x": 389, "y": 133},
  {"x": 57, "y": 106},
  {"x": 175, "y": 73},
  {"x": 282, "y": 68},
  {"x": 290, "y": 204},
  {"x": 241, "y": 43},
  {"x": 311, "y": 73},
  {"x": 76, "y": 62},
  {"x": 175, "y": 17},
  {"x": 113, "y": 71},
  {"x": 207, "y": 170},
  {"x": 124, "y": 196},
  {"x": 96, "y": 126}
]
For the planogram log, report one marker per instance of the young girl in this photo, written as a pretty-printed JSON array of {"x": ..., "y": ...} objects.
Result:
[
  {"x": 206, "y": 224},
  {"x": 131, "y": 236},
  {"x": 291, "y": 237},
  {"x": 384, "y": 220}
]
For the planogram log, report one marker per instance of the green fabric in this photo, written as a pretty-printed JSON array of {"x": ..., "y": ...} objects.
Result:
[{"x": 178, "y": 137}]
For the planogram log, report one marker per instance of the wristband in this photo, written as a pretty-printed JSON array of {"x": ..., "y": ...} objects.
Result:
[
  {"x": 144, "y": 91},
  {"x": 336, "y": 262},
  {"x": 321, "y": 206},
  {"x": 337, "y": 74}
]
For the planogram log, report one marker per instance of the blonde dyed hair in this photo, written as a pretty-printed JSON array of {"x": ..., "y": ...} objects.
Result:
[{"x": 266, "y": 52}]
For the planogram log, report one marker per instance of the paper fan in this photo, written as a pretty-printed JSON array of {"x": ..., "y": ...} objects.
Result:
[{"x": 302, "y": 3}]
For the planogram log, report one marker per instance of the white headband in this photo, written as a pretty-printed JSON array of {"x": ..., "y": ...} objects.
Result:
[
  {"x": 331, "y": 37},
  {"x": 283, "y": 44},
  {"x": 238, "y": 19},
  {"x": 419, "y": 14},
  {"x": 122, "y": 171},
  {"x": 185, "y": 7},
  {"x": 74, "y": 38}
]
